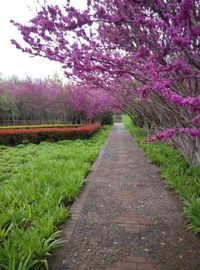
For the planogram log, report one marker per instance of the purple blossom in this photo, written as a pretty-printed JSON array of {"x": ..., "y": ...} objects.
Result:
[{"x": 111, "y": 54}]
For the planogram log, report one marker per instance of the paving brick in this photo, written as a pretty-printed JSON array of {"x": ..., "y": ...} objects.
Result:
[
  {"x": 127, "y": 266},
  {"x": 146, "y": 266},
  {"x": 126, "y": 197},
  {"x": 133, "y": 228},
  {"x": 134, "y": 259}
]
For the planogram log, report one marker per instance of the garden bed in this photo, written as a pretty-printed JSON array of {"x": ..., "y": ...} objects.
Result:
[
  {"x": 51, "y": 134},
  {"x": 36, "y": 184},
  {"x": 42, "y": 126}
]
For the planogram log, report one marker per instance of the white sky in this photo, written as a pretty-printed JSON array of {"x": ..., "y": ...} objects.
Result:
[{"x": 12, "y": 60}]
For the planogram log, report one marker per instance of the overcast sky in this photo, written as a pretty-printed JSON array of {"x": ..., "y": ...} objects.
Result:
[{"x": 13, "y": 61}]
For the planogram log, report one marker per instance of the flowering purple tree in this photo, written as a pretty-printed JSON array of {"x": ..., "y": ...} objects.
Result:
[
  {"x": 92, "y": 102},
  {"x": 43, "y": 101},
  {"x": 146, "y": 50}
]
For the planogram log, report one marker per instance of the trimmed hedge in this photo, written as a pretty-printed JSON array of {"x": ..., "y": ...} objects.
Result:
[
  {"x": 36, "y": 135},
  {"x": 42, "y": 126}
]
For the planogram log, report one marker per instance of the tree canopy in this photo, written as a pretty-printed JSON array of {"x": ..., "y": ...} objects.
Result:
[{"x": 146, "y": 53}]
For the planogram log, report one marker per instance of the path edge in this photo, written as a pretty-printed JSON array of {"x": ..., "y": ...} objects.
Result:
[{"x": 75, "y": 210}]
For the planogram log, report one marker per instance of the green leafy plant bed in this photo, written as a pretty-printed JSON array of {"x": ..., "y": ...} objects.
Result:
[
  {"x": 36, "y": 184},
  {"x": 184, "y": 179}
]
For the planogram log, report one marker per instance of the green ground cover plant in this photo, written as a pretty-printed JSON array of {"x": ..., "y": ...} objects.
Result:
[
  {"x": 37, "y": 182},
  {"x": 176, "y": 172}
]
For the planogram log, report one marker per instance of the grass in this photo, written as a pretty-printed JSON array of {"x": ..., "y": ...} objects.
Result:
[
  {"x": 176, "y": 172},
  {"x": 37, "y": 182}
]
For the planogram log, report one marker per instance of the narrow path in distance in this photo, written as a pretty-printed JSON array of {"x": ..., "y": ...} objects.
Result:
[{"x": 125, "y": 217}]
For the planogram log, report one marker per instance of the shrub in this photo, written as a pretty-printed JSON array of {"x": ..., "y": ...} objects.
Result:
[
  {"x": 42, "y": 126},
  {"x": 36, "y": 135}
]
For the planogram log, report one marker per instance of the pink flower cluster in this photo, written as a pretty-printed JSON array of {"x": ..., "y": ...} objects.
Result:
[
  {"x": 164, "y": 135},
  {"x": 168, "y": 133}
]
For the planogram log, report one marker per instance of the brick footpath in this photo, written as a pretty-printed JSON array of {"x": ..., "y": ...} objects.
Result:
[{"x": 125, "y": 217}]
